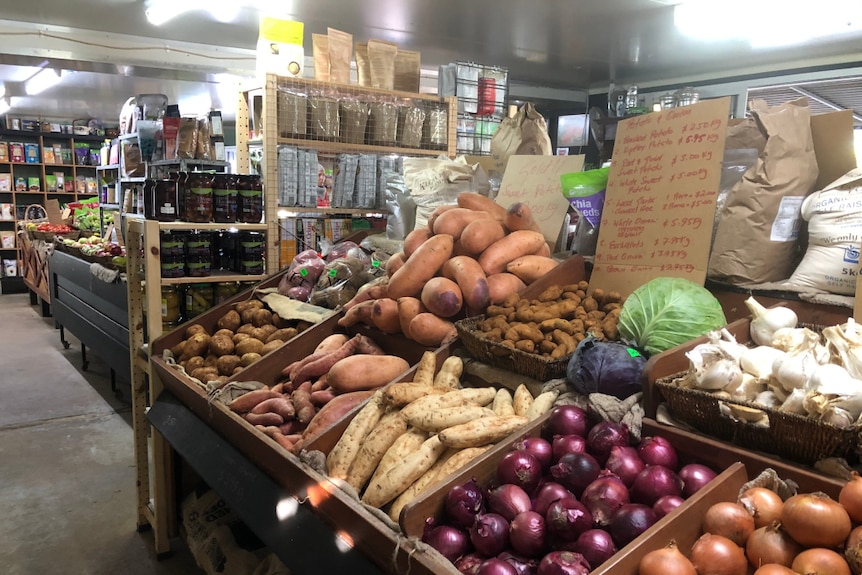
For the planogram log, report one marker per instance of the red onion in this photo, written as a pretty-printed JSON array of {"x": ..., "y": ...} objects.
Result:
[
  {"x": 490, "y": 534},
  {"x": 464, "y": 502},
  {"x": 567, "y": 518},
  {"x": 523, "y": 565},
  {"x": 547, "y": 494},
  {"x": 508, "y": 500},
  {"x": 563, "y": 444},
  {"x": 538, "y": 447},
  {"x": 575, "y": 471},
  {"x": 625, "y": 463},
  {"x": 469, "y": 564},
  {"x": 496, "y": 567},
  {"x": 603, "y": 436},
  {"x": 666, "y": 504},
  {"x": 629, "y": 521},
  {"x": 527, "y": 534},
  {"x": 565, "y": 420},
  {"x": 653, "y": 483},
  {"x": 694, "y": 477},
  {"x": 656, "y": 450},
  {"x": 604, "y": 496},
  {"x": 520, "y": 468},
  {"x": 450, "y": 541},
  {"x": 563, "y": 563},
  {"x": 596, "y": 545}
]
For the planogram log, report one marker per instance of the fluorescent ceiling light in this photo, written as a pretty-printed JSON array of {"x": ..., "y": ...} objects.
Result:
[
  {"x": 2, "y": 90},
  {"x": 4, "y": 106},
  {"x": 161, "y": 11},
  {"x": 41, "y": 81}
]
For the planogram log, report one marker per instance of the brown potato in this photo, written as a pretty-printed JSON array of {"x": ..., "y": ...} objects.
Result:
[
  {"x": 245, "y": 328},
  {"x": 194, "y": 363},
  {"x": 268, "y": 329},
  {"x": 262, "y": 317},
  {"x": 247, "y": 315},
  {"x": 231, "y": 320},
  {"x": 250, "y": 345},
  {"x": 221, "y": 345},
  {"x": 193, "y": 329},
  {"x": 178, "y": 350},
  {"x": 227, "y": 363},
  {"x": 237, "y": 369},
  {"x": 224, "y": 331},
  {"x": 259, "y": 333},
  {"x": 248, "y": 304},
  {"x": 210, "y": 360},
  {"x": 271, "y": 346},
  {"x": 197, "y": 344},
  {"x": 283, "y": 334},
  {"x": 279, "y": 321},
  {"x": 239, "y": 337},
  {"x": 249, "y": 358},
  {"x": 205, "y": 374},
  {"x": 302, "y": 325}
]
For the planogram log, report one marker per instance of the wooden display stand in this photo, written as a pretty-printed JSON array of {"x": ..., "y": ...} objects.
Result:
[{"x": 34, "y": 270}]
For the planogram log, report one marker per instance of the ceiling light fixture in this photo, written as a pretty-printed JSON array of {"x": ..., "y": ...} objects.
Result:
[
  {"x": 2, "y": 90},
  {"x": 4, "y": 106},
  {"x": 42, "y": 80},
  {"x": 161, "y": 11}
]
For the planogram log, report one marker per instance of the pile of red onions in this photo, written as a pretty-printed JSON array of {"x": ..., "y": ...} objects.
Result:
[{"x": 563, "y": 502}]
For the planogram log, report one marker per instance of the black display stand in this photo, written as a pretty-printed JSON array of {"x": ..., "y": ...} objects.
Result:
[{"x": 302, "y": 541}]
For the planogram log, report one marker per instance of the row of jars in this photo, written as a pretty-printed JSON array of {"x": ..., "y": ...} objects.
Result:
[
  {"x": 183, "y": 302},
  {"x": 201, "y": 197},
  {"x": 200, "y": 253}
]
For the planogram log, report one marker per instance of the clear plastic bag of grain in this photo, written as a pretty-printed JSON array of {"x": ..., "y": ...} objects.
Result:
[
  {"x": 187, "y": 138},
  {"x": 365, "y": 188},
  {"x": 387, "y": 166},
  {"x": 344, "y": 180},
  {"x": 435, "y": 134},
  {"x": 292, "y": 108},
  {"x": 411, "y": 120},
  {"x": 288, "y": 176},
  {"x": 384, "y": 123},
  {"x": 354, "y": 120},
  {"x": 204, "y": 145},
  {"x": 307, "y": 178},
  {"x": 325, "y": 118}
]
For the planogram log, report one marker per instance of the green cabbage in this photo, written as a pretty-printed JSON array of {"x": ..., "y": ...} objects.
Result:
[{"x": 666, "y": 312}]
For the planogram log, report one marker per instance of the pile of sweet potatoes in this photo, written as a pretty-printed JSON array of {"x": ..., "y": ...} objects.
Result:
[
  {"x": 319, "y": 389},
  {"x": 472, "y": 254}
]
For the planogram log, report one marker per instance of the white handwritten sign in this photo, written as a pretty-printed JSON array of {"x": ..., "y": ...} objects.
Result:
[{"x": 535, "y": 181}]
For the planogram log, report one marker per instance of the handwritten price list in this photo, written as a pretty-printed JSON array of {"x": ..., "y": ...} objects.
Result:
[{"x": 660, "y": 203}]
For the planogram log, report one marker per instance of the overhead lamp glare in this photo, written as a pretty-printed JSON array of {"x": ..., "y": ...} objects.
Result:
[{"x": 42, "y": 80}]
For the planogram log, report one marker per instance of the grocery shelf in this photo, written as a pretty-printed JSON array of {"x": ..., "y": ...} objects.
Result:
[
  {"x": 336, "y": 147},
  {"x": 354, "y": 211},
  {"x": 214, "y": 277},
  {"x": 180, "y": 226},
  {"x": 189, "y": 162}
]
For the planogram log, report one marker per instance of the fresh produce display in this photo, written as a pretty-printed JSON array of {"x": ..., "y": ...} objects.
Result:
[
  {"x": 50, "y": 228},
  {"x": 241, "y": 336},
  {"x": 792, "y": 369},
  {"x": 96, "y": 246},
  {"x": 608, "y": 367},
  {"x": 807, "y": 534},
  {"x": 471, "y": 255},
  {"x": 554, "y": 323},
  {"x": 552, "y": 509},
  {"x": 413, "y": 433},
  {"x": 666, "y": 312}
]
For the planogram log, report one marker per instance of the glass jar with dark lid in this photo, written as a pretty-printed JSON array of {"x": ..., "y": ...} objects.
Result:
[
  {"x": 173, "y": 266},
  {"x": 171, "y": 244},
  {"x": 224, "y": 198},
  {"x": 199, "y": 198},
  {"x": 166, "y": 201},
  {"x": 251, "y": 245},
  {"x": 198, "y": 244},
  {"x": 198, "y": 266},
  {"x": 250, "y": 190}
]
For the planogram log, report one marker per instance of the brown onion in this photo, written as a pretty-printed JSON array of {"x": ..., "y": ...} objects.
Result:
[
  {"x": 717, "y": 555},
  {"x": 853, "y": 550},
  {"x": 851, "y": 497},
  {"x": 666, "y": 561},
  {"x": 764, "y": 504},
  {"x": 815, "y": 520},
  {"x": 819, "y": 561},
  {"x": 774, "y": 569},
  {"x": 730, "y": 520},
  {"x": 771, "y": 544}
]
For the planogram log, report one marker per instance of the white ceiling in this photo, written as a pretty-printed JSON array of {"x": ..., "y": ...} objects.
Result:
[{"x": 570, "y": 44}]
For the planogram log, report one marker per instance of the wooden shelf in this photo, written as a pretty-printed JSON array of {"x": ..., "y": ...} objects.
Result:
[
  {"x": 338, "y": 147},
  {"x": 210, "y": 226},
  {"x": 331, "y": 211},
  {"x": 215, "y": 277}
]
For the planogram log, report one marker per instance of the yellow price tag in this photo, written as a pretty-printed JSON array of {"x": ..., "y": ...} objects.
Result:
[{"x": 281, "y": 31}]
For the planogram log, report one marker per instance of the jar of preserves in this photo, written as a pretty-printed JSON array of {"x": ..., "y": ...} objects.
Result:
[
  {"x": 173, "y": 266},
  {"x": 199, "y": 266},
  {"x": 252, "y": 267},
  {"x": 224, "y": 198},
  {"x": 199, "y": 197},
  {"x": 199, "y": 244},
  {"x": 199, "y": 298},
  {"x": 227, "y": 251},
  {"x": 166, "y": 201},
  {"x": 171, "y": 305},
  {"x": 250, "y": 191},
  {"x": 251, "y": 245},
  {"x": 171, "y": 245},
  {"x": 225, "y": 290}
]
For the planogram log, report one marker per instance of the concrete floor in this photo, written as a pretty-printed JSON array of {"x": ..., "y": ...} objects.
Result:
[{"x": 67, "y": 474}]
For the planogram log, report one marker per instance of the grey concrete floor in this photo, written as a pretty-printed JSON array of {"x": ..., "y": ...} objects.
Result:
[{"x": 67, "y": 474}]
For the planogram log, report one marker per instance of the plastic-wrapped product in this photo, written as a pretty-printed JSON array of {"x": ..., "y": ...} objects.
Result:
[
  {"x": 365, "y": 189},
  {"x": 384, "y": 123},
  {"x": 324, "y": 117},
  {"x": 292, "y": 114},
  {"x": 411, "y": 120},
  {"x": 401, "y": 207},
  {"x": 308, "y": 175},
  {"x": 386, "y": 167},
  {"x": 288, "y": 176},
  {"x": 344, "y": 180},
  {"x": 435, "y": 132},
  {"x": 354, "y": 121}
]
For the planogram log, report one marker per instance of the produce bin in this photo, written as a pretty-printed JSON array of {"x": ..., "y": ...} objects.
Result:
[{"x": 791, "y": 436}]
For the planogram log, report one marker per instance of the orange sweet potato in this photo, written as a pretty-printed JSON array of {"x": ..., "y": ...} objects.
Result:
[
  {"x": 470, "y": 277},
  {"x": 480, "y": 234},
  {"x": 530, "y": 268},
  {"x": 520, "y": 217},
  {"x": 421, "y": 267},
  {"x": 502, "y": 285},
  {"x": 454, "y": 221},
  {"x": 384, "y": 315},
  {"x": 442, "y": 296},
  {"x": 431, "y": 330},
  {"x": 474, "y": 201},
  {"x": 518, "y": 243},
  {"x": 362, "y": 372},
  {"x": 415, "y": 239},
  {"x": 408, "y": 307}
]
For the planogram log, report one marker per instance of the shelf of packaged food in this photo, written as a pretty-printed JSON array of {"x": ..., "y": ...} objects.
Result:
[
  {"x": 188, "y": 162},
  {"x": 336, "y": 147},
  {"x": 293, "y": 210},
  {"x": 211, "y": 226},
  {"x": 215, "y": 277}
]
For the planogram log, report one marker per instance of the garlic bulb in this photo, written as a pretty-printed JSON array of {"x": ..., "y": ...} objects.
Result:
[
  {"x": 795, "y": 340},
  {"x": 795, "y": 403},
  {"x": 838, "y": 417},
  {"x": 724, "y": 340},
  {"x": 718, "y": 375},
  {"x": 765, "y": 321},
  {"x": 845, "y": 344},
  {"x": 747, "y": 389},
  {"x": 767, "y": 399},
  {"x": 758, "y": 360},
  {"x": 793, "y": 371}
]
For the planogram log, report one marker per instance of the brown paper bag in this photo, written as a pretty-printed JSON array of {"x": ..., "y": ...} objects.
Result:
[
  {"x": 320, "y": 51},
  {"x": 534, "y": 134},
  {"x": 525, "y": 134},
  {"x": 407, "y": 69},
  {"x": 757, "y": 232},
  {"x": 363, "y": 66},
  {"x": 340, "y": 55},
  {"x": 382, "y": 63}
]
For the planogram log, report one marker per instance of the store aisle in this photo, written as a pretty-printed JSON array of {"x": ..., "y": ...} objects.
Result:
[{"x": 67, "y": 475}]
